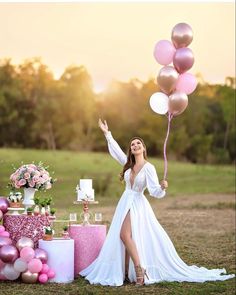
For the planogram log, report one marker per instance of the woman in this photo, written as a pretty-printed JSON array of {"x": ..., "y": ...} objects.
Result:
[{"x": 137, "y": 248}]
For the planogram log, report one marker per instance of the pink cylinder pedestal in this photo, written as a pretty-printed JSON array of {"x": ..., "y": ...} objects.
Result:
[{"x": 88, "y": 243}]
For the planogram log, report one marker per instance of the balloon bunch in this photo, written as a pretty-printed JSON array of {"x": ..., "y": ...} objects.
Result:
[
  {"x": 23, "y": 260},
  {"x": 173, "y": 80}
]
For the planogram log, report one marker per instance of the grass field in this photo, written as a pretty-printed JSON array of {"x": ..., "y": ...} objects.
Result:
[{"x": 198, "y": 214}]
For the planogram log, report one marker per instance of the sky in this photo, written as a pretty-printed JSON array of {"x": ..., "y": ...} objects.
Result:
[{"x": 115, "y": 41}]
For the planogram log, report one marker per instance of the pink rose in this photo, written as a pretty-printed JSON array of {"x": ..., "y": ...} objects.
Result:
[
  {"x": 26, "y": 175},
  {"x": 21, "y": 182},
  {"x": 35, "y": 178},
  {"x": 32, "y": 166},
  {"x": 45, "y": 176},
  {"x": 37, "y": 173},
  {"x": 31, "y": 183}
]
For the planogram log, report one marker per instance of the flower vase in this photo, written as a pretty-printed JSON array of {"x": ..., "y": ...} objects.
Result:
[{"x": 28, "y": 197}]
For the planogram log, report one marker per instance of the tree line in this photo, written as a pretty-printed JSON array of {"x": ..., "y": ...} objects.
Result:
[{"x": 39, "y": 111}]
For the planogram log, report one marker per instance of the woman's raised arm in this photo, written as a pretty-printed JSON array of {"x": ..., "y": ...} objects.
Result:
[{"x": 113, "y": 147}]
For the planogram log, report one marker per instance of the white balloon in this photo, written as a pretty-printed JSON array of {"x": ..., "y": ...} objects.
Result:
[
  {"x": 10, "y": 273},
  {"x": 20, "y": 265},
  {"x": 159, "y": 103}
]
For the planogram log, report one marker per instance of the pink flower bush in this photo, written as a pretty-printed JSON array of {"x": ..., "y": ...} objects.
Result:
[{"x": 31, "y": 175}]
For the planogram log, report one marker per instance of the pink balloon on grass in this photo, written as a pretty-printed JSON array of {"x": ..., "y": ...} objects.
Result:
[
  {"x": 51, "y": 274},
  {"x": 4, "y": 204},
  {"x": 41, "y": 254},
  {"x": 35, "y": 265},
  {"x": 2, "y": 228},
  {"x": 45, "y": 268},
  {"x": 10, "y": 273},
  {"x": 5, "y": 241},
  {"x": 186, "y": 83},
  {"x": 164, "y": 52},
  {"x": 43, "y": 278},
  {"x": 20, "y": 265},
  {"x": 5, "y": 234},
  {"x": 27, "y": 253},
  {"x": 8, "y": 253}
]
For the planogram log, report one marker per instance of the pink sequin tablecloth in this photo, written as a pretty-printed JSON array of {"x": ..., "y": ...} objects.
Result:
[
  {"x": 25, "y": 226},
  {"x": 88, "y": 243}
]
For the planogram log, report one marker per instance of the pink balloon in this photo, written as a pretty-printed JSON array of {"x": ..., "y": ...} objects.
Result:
[
  {"x": 183, "y": 59},
  {"x": 2, "y": 264},
  {"x": 186, "y": 83},
  {"x": 2, "y": 277},
  {"x": 2, "y": 228},
  {"x": 164, "y": 52},
  {"x": 182, "y": 35},
  {"x": 45, "y": 268},
  {"x": 4, "y": 204},
  {"x": 41, "y": 254},
  {"x": 5, "y": 241},
  {"x": 43, "y": 278},
  {"x": 8, "y": 253},
  {"x": 27, "y": 253},
  {"x": 35, "y": 265},
  {"x": 1, "y": 215},
  {"x": 5, "y": 234},
  {"x": 51, "y": 274}
]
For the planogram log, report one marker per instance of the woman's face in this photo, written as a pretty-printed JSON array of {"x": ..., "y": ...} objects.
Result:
[{"x": 136, "y": 147}]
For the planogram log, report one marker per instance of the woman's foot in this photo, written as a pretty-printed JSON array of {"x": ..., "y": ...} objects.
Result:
[
  {"x": 126, "y": 280},
  {"x": 140, "y": 273}
]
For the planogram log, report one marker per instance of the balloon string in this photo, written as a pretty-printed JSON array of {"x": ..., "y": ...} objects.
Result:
[{"x": 170, "y": 116}]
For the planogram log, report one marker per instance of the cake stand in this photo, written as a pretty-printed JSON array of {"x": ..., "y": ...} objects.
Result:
[
  {"x": 15, "y": 211},
  {"x": 85, "y": 214}
]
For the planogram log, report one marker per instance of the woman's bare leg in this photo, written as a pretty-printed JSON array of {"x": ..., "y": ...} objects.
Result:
[
  {"x": 126, "y": 237},
  {"x": 127, "y": 257}
]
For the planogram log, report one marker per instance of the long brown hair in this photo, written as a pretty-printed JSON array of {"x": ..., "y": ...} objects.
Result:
[{"x": 130, "y": 157}]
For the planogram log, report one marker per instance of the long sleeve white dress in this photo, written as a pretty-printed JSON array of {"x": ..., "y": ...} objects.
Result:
[{"x": 156, "y": 251}]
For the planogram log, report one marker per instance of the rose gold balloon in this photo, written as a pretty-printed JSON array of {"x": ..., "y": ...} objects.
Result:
[
  {"x": 29, "y": 278},
  {"x": 5, "y": 241},
  {"x": 167, "y": 79},
  {"x": 183, "y": 59},
  {"x": 182, "y": 35},
  {"x": 41, "y": 254},
  {"x": 24, "y": 242},
  {"x": 8, "y": 253},
  {"x": 178, "y": 101},
  {"x": 4, "y": 204}
]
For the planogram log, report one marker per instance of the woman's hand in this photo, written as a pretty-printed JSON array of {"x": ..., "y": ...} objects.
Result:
[
  {"x": 103, "y": 126},
  {"x": 164, "y": 184}
]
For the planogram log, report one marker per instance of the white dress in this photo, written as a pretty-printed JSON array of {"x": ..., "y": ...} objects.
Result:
[{"x": 156, "y": 251}]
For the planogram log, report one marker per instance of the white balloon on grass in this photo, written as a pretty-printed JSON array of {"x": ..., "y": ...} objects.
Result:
[{"x": 159, "y": 103}]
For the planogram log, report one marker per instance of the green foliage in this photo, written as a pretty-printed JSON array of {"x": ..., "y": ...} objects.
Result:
[
  {"x": 30, "y": 209},
  {"x": 65, "y": 227},
  {"x": 38, "y": 111},
  {"x": 52, "y": 211}
]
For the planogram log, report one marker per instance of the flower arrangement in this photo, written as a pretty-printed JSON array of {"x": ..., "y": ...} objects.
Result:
[
  {"x": 15, "y": 197},
  {"x": 31, "y": 176}
]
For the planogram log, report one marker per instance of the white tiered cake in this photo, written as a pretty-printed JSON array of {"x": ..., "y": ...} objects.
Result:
[{"x": 85, "y": 190}]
